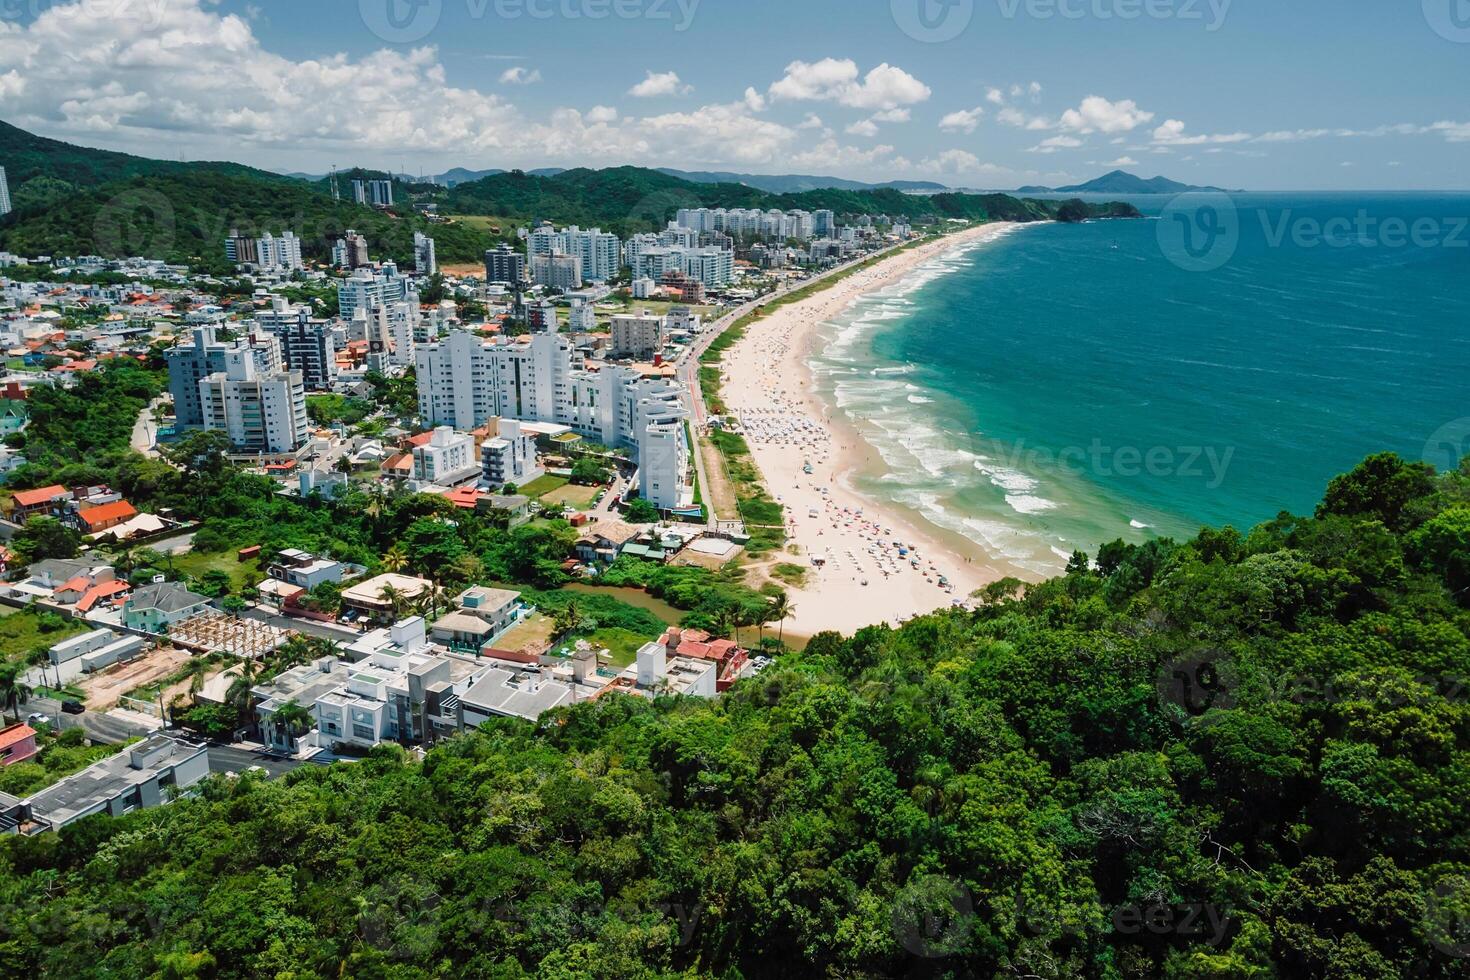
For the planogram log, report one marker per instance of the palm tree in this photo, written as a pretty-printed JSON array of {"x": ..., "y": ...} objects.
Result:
[
  {"x": 781, "y": 608},
  {"x": 394, "y": 560},
  {"x": 293, "y": 720},
  {"x": 723, "y": 620},
  {"x": 196, "y": 670},
  {"x": 395, "y": 599},
  {"x": 14, "y": 692},
  {"x": 296, "y": 650},
  {"x": 568, "y": 618},
  {"x": 240, "y": 694}
]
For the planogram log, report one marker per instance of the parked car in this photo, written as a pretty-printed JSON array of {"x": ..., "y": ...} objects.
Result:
[{"x": 72, "y": 706}]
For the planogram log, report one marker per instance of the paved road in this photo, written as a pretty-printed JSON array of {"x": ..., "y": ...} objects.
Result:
[
  {"x": 236, "y": 759},
  {"x": 100, "y": 726},
  {"x": 145, "y": 430}
]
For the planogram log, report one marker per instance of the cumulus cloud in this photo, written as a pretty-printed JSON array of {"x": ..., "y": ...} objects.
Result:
[
  {"x": 601, "y": 114},
  {"x": 1055, "y": 143},
  {"x": 962, "y": 120},
  {"x": 754, "y": 101},
  {"x": 812, "y": 121},
  {"x": 1098, "y": 115},
  {"x": 520, "y": 76},
  {"x": 837, "y": 80},
  {"x": 1171, "y": 133},
  {"x": 892, "y": 116},
  {"x": 1122, "y": 162},
  {"x": 659, "y": 83},
  {"x": 863, "y": 127}
]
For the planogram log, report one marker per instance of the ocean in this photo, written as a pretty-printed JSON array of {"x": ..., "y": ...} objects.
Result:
[{"x": 1214, "y": 363}]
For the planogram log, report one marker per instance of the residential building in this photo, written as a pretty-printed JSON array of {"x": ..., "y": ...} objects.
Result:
[
  {"x": 447, "y": 459},
  {"x": 374, "y": 193},
  {"x": 266, "y": 253},
  {"x": 4, "y": 194},
  {"x": 367, "y": 290},
  {"x": 303, "y": 569},
  {"x": 261, "y": 412},
  {"x": 38, "y": 502},
  {"x": 189, "y": 364},
  {"x": 500, "y": 608},
  {"x": 557, "y": 270},
  {"x": 18, "y": 744},
  {"x": 714, "y": 267},
  {"x": 424, "y": 261},
  {"x": 105, "y": 516},
  {"x": 504, "y": 264},
  {"x": 464, "y": 381},
  {"x": 350, "y": 251},
  {"x": 146, "y": 774},
  {"x": 581, "y": 316},
  {"x": 638, "y": 335},
  {"x": 381, "y": 596},
  {"x": 308, "y": 345},
  {"x": 509, "y": 457},
  {"x": 154, "y": 608}
]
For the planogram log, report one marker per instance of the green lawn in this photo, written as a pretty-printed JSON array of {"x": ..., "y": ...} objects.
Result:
[
  {"x": 22, "y": 632},
  {"x": 622, "y": 644},
  {"x": 577, "y": 498},
  {"x": 543, "y": 485},
  {"x": 196, "y": 563}
]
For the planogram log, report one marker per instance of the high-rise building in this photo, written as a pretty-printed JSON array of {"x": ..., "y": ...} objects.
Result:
[
  {"x": 510, "y": 457},
  {"x": 350, "y": 251},
  {"x": 424, "y": 261},
  {"x": 368, "y": 290},
  {"x": 375, "y": 193},
  {"x": 4, "y": 194},
  {"x": 266, "y": 253},
  {"x": 557, "y": 271},
  {"x": 188, "y": 364},
  {"x": 600, "y": 252},
  {"x": 447, "y": 459},
  {"x": 504, "y": 264},
  {"x": 261, "y": 412},
  {"x": 464, "y": 381},
  {"x": 637, "y": 334},
  {"x": 307, "y": 345},
  {"x": 714, "y": 267}
]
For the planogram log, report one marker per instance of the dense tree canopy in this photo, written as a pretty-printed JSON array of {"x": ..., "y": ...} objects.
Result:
[{"x": 1240, "y": 756}]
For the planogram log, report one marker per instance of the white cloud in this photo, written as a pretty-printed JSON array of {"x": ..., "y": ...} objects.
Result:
[
  {"x": 1292, "y": 135},
  {"x": 995, "y": 96},
  {"x": 754, "y": 101},
  {"x": 1054, "y": 143},
  {"x": 837, "y": 80},
  {"x": 520, "y": 76},
  {"x": 1122, "y": 162},
  {"x": 831, "y": 154},
  {"x": 962, "y": 120},
  {"x": 601, "y": 114},
  {"x": 892, "y": 116},
  {"x": 812, "y": 121},
  {"x": 659, "y": 83},
  {"x": 863, "y": 127},
  {"x": 1171, "y": 133},
  {"x": 1098, "y": 115},
  {"x": 1455, "y": 132}
]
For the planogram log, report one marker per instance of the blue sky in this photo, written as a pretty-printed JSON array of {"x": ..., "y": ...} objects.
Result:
[{"x": 1259, "y": 94}]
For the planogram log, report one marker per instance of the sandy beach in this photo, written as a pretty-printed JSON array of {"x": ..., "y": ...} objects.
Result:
[{"x": 867, "y": 561}]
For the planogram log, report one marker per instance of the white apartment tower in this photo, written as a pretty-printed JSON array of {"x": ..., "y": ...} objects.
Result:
[
  {"x": 425, "y": 263},
  {"x": 261, "y": 412},
  {"x": 4, "y": 194}
]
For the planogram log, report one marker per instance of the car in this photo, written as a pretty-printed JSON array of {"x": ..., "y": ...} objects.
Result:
[
  {"x": 36, "y": 718},
  {"x": 72, "y": 706}
]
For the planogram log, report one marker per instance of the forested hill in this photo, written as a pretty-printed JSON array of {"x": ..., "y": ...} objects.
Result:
[
  {"x": 1240, "y": 756},
  {"x": 627, "y": 199},
  {"x": 73, "y": 200}
]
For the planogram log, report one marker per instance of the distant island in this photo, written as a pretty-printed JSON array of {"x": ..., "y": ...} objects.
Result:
[{"x": 1121, "y": 182}]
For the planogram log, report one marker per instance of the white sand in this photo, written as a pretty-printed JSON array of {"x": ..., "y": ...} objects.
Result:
[{"x": 864, "y": 580}]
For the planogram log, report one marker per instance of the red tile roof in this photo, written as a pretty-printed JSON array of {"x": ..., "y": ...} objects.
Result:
[
  {"x": 78, "y": 584},
  {"x": 97, "y": 593},
  {"x": 15, "y": 734},
  {"x": 118, "y": 510},
  {"x": 42, "y": 495},
  {"x": 465, "y": 497}
]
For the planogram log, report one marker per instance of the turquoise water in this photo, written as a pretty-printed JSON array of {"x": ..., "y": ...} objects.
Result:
[{"x": 1069, "y": 385}]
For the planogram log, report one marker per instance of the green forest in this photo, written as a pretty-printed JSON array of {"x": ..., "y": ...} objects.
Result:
[
  {"x": 71, "y": 200},
  {"x": 1238, "y": 756}
]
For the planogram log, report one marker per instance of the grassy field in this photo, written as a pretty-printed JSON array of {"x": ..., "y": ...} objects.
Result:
[
  {"x": 543, "y": 485},
  {"x": 241, "y": 573},
  {"x": 23, "y": 631},
  {"x": 575, "y": 497}
]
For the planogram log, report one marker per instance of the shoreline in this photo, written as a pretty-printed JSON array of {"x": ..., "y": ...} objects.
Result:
[{"x": 863, "y": 579}]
